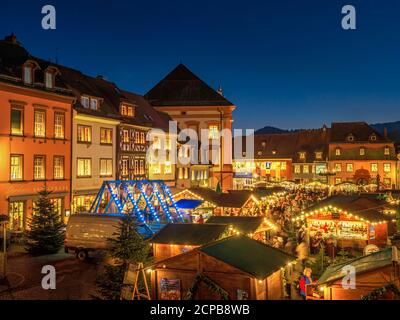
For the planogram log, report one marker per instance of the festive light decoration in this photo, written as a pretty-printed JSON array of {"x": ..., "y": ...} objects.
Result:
[
  {"x": 329, "y": 209},
  {"x": 137, "y": 198}
]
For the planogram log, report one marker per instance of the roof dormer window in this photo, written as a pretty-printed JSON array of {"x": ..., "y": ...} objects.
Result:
[
  {"x": 350, "y": 137},
  {"x": 90, "y": 103},
  {"x": 127, "y": 111},
  {"x": 49, "y": 79},
  {"x": 28, "y": 74},
  {"x": 302, "y": 155},
  {"x": 318, "y": 155},
  {"x": 372, "y": 137}
]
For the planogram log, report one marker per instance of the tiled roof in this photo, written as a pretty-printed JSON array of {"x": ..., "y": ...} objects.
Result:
[
  {"x": 181, "y": 87},
  {"x": 361, "y": 131}
]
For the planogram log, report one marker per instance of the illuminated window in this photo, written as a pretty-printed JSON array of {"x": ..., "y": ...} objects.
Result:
[
  {"x": 338, "y": 180},
  {"x": 16, "y": 167},
  {"x": 306, "y": 169},
  {"x": 59, "y": 125},
  {"x": 136, "y": 168},
  {"x": 16, "y": 216},
  {"x": 338, "y": 167},
  {"x": 302, "y": 155},
  {"x": 85, "y": 102},
  {"x": 213, "y": 132},
  {"x": 318, "y": 155},
  {"x": 137, "y": 137},
  {"x": 39, "y": 167},
  {"x": 94, "y": 104},
  {"x": 168, "y": 144},
  {"x": 106, "y": 169},
  {"x": 58, "y": 167},
  {"x": 84, "y": 167},
  {"x": 387, "y": 151},
  {"x": 338, "y": 152},
  {"x": 374, "y": 167},
  {"x": 372, "y": 137},
  {"x": 157, "y": 143},
  {"x": 127, "y": 111},
  {"x": 157, "y": 169},
  {"x": 124, "y": 166},
  {"x": 387, "y": 181},
  {"x": 297, "y": 168},
  {"x": 105, "y": 136},
  {"x": 386, "y": 167},
  {"x": 17, "y": 116},
  {"x": 82, "y": 203},
  {"x": 362, "y": 151},
  {"x": 349, "y": 167},
  {"x": 125, "y": 136},
  {"x": 186, "y": 173},
  {"x": 141, "y": 167},
  {"x": 167, "y": 168},
  {"x": 57, "y": 205},
  {"x": 40, "y": 123},
  {"x": 180, "y": 173},
  {"x": 142, "y": 138},
  {"x": 49, "y": 80},
  {"x": 283, "y": 165},
  {"x": 84, "y": 134}
]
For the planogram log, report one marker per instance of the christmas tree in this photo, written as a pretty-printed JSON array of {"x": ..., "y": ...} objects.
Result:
[
  {"x": 127, "y": 247},
  {"x": 46, "y": 230}
]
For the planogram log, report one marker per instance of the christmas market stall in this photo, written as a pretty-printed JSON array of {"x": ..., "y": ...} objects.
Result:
[
  {"x": 375, "y": 276},
  {"x": 234, "y": 268},
  {"x": 238, "y": 202},
  {"x": 258, "y": 228},
  {"x": 350, "y": 221},
  {"x": 178, "y": 238}
]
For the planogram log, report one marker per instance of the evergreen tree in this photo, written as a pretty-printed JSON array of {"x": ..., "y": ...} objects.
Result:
[
  {"x": 126, "y": 247},
  {"x": 46, "y": 229}
]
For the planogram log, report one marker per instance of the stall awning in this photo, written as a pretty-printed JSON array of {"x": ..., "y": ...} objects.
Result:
[{"x": 189, "y": 204}]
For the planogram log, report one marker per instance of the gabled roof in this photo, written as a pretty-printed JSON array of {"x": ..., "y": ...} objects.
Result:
[
  {"x": 181, "y": 87},
  {"x": 13, "y": 57},
  {"x": 363, "y": 264},
  {"x": 242, "y": 224},
  {"x": 189, "y": 233},
  {"x": 253, "y": 257},
  {"x": 361, "y": 132}
]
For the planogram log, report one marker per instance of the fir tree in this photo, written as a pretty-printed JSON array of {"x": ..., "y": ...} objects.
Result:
[
  {"x": 45, "y": 234},
  {"x": 126, "y": 247}
]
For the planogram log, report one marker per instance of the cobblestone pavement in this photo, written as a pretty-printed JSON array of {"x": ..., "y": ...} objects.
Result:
[{"x": 74, "y": 279}]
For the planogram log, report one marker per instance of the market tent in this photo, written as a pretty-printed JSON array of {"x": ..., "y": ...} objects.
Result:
[
  {"x": 248, "y": 255},
  {"x": 362, "y": 264},
  {"x": 189, "y": 204},
  {"x": 242, "y": 224},
  {"x": 189, "y": 233}
]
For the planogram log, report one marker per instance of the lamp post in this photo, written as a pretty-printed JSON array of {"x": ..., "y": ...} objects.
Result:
[{"x": 3, "y": 255}]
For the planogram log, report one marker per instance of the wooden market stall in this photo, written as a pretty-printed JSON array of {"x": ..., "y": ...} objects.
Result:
[
  {"x": 238, "y": 202},
  {"x": 223, "y": 269},
  {"x": 353, "y": 221},
  {"x": 377, "y": 276},
  {"x": 177, "y": 238},
  {"x": 258, "y": 228}
]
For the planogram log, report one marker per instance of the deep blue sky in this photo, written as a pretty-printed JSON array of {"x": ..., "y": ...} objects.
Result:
[{"x": 283, "y": 63}]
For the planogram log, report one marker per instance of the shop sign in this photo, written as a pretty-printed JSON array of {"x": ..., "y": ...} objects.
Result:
[{"x": 170, "y": 289}]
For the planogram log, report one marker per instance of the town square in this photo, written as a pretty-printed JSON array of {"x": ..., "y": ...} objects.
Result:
[{"x": 140, "y": 162}]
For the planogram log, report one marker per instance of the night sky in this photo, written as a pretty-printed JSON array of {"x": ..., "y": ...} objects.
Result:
[{"x": 284, "y": 63}]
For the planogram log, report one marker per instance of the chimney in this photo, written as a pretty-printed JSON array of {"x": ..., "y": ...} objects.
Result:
[
  {"x": 12, "y": 38},
  {"x": 385, "y": 132},
  {"x": 220, "y": 90}
]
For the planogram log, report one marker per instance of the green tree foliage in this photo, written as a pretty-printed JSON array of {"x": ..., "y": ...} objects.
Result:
[
  {"x": 46, "y": 230},
  {"x": 126, "y": 247}
]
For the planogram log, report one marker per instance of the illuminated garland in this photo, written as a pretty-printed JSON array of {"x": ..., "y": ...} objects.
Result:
[
  {"x": 330, "y": 209},
  {"x": 215, "y": 288},
  {"x": 379, "y": 292}
]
